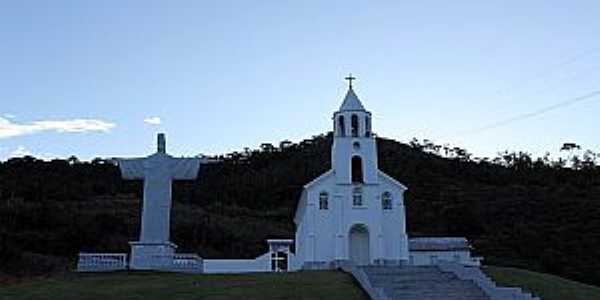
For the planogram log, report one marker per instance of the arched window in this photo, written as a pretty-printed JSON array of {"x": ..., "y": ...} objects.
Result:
[
  {"x": 357, "y": 197},
  {"x": 367, "y": 126},
  {"x": 323, "y": 200},
  {"x": 386, "y": 200},
  {"x": 341, "y": 126},
  {"x": 354, "y": 125},
  {"x": 357, "y": 170}
]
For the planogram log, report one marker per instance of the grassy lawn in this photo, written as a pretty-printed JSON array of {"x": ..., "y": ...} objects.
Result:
[
  {"x": 148, "y": 286},
  {"x": 548, "y": 287},
  {"x": 297, "y": 285}
]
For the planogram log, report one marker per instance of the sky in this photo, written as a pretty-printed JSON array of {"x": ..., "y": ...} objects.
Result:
[{"x": 101, "y": 78}]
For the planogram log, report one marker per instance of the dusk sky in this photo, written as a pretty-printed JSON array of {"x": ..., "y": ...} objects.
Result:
[{"x": 100, "y": 78}]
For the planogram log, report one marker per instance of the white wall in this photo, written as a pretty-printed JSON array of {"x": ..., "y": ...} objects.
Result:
[
  {"x": 259, "y": 264},
  {"x": 294, "y": 263},
  {"x": 393, "y": 222},
  {"x": 427, "y": 258}
]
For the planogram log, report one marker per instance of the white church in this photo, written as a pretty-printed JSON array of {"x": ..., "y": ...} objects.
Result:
[{"x": 353, "y": 214}]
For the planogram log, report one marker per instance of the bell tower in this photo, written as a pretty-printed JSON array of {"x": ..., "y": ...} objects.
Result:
[{"x": 354, "y": 151}]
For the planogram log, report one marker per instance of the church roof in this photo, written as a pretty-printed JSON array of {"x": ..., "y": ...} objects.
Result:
[
  {"x": 438, "y": 244},
  {"x": 351, "y": 101},
  {"x": 318, "y": 179},
  {"x": 392, "y": 180}
]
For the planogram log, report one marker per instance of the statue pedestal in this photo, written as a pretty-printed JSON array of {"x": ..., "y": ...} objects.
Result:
[{"x": 151, "y": 256}]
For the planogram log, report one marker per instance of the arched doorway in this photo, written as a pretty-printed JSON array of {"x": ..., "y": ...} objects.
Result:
[{"x": 359, "y": 245}]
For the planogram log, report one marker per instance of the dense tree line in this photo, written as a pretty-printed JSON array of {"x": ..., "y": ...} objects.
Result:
[{"x": 517, "y": 211}]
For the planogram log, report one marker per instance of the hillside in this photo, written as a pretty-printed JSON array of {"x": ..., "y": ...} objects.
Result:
[{"x": 517, "y": 211}]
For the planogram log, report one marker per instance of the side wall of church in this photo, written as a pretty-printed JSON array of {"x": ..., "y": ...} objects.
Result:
[
  {"x": 300, "y": 241},
  {"x": 395, "y": 240},
  {"x": 323, "y": 222}
]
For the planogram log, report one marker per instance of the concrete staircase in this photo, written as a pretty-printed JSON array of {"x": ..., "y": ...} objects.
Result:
[
  {"x": 445, "y": 281},
  {"x": 422, "y": 283},
  {"x": 494, "y": 292}
]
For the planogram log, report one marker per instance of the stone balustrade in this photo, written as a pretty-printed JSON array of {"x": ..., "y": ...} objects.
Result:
[
  {"x": 105, "y": 262},
  {"x": 101, "y": 262},
  {"x": 183, "y": 262}
]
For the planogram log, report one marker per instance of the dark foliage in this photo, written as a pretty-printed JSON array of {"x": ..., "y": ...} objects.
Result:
[{"x": 516, "y": 211}]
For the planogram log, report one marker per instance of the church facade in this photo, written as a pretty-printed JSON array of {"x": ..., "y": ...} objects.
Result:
[{"x": 353, "y": 212}]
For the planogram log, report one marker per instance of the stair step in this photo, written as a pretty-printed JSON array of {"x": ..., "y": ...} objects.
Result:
[
  {"x": 422, "y": 283},
  {"x": 438, "y": 282}
]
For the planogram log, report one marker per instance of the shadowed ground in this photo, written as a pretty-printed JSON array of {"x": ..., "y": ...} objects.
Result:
[
  {"x": 548, "y": 287},
  {"x": 149, "y": 286},
  {"x": 299, "y": 285}
]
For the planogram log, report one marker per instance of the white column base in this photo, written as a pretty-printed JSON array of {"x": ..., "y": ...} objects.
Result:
[{"x": 151, "y": 256}]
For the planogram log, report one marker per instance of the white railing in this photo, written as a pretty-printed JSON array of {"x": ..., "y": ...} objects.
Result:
[
  {"x": 105, "y": 262},
  {"x": 101, "y": 262},
  {"x": 184, "y": 262}
]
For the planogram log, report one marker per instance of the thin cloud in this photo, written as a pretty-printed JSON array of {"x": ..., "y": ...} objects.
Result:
[
  {"x": 8, "y": 128},
  {"x": 20, "y": 151},
  {"x": 153, "y": 120}
]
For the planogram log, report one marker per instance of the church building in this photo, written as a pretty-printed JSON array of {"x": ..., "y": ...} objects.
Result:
[{"x": 353, "y": 212}]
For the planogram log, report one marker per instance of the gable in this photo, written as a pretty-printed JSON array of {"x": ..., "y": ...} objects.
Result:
[{"x": 302, "y": 203}]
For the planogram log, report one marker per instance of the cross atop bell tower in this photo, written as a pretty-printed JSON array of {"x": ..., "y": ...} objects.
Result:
[{"x": 350, "y": 78}]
